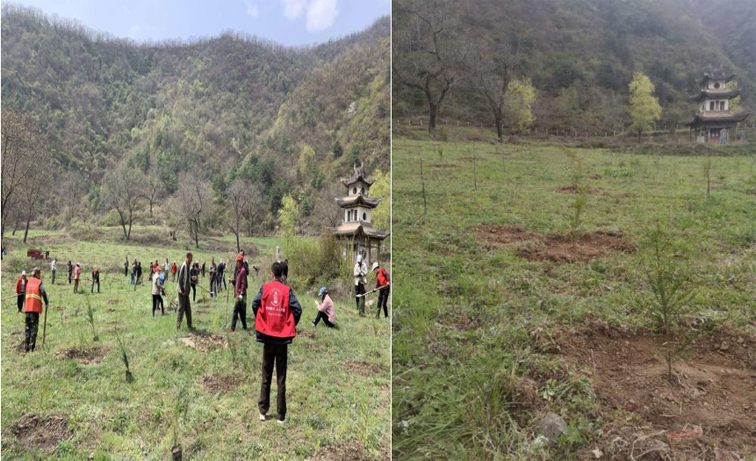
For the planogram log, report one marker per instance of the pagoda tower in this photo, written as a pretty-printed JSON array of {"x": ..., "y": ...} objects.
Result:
[
  {"x": 713, "y": 121},
  {"x": 357, "y": 232}
]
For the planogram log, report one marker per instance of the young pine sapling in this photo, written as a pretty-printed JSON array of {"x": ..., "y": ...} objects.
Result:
[
  {"x": 90, "y": 318},
  {"x": 670, "y": 281}
]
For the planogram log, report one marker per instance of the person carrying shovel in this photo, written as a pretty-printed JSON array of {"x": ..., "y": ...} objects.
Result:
[
  {"x": 383, "y": 286},
  {"x": 360, "y": 280},
  {"x": 35, "y": 294}
]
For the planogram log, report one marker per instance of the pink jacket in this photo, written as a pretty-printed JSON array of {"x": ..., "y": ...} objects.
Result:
[{"x": 327, "y": 308}]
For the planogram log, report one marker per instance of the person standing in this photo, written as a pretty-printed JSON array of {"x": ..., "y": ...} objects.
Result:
[
  {"x": 126, "y": 267},
  {"x": 157, "y": 288},
  {"x": 240, "y": 295},
  {"x": 277, "y": 313},
  {"x": 203, "y": 269},
  {"x": 35, "y": 294},
  {"x": 360, "y": 280},
  {"x": 326, "y": 311},
  {"x": 95, "y": 280},
  {"x": 70, "y": 271},
  {"x": 166, "y": 267},
  {"x": 184, "y": 285},
  {"x": 174, "y": 269},
  {"x": 383, "y": 286},
  {"x": 194, "y": 272},
  {"x": 77, "y": 275},
  {"x": 285, "y": 269},
  {"x": 139, "y": 272},
  {"x": 53, "y": 266},
  {"x": 221, "y": 272},
  {"x": 21, "y": 290},
  {"x": 212, "y": 278}
]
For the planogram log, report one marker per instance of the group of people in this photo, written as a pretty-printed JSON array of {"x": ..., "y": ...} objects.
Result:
[{"x": 382, "y": 286}]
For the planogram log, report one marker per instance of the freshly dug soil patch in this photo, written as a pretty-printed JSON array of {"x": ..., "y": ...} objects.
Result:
[
  {"x": 587, "y": 247},
  {"x": 709, "y": 406},
  {"x": 306, "y": 333},
  {"x": 204, "y": 343},
  {"x": 574, "y": 190},
  {"x": 554, "y": 247},
  {"x": 443, "y": 165},
  {"x": 352, "y": 451},
  {"x": 41, "y": 432},
  {"x": 363, "y": 368},
  {"x": 215, "y": 383},
  {"x": 86, "y": 356},
  {"x": 473, "y": 159}
]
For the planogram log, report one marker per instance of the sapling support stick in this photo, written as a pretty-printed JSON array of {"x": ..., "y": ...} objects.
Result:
[
  {"x": 422, "y": 182},
  {"x": 475, "y": 171}
]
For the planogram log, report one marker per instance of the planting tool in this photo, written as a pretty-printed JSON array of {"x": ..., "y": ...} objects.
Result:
[
  {"x": 372, "y": 291},
  {"x": 44, "y": 328}
]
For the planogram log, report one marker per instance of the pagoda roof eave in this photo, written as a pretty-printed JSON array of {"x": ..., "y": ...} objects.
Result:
[
  {"x": 700, "y": 120},
  {"x": 358, "y": 200},
  {"x": 355, "y": 179},
  {"x": 709, "y": 94},
  {"x": 360, "y": 228}
]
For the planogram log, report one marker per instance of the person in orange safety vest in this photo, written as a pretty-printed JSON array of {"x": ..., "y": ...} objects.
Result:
[{"x": 35, "y": 294}]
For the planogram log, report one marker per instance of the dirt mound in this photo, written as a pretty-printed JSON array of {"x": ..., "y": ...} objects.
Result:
[
  {"x": 472, "y": 159},
  {"x": 41, "y": 432},
  {"x": 204, "y": 342},
  {"x": 708, "y": 407},
  {"x": 363, "y": 368},
  {"x": 443, "y": 165},
  {"x": 587, "y": 247},
  {"x": 215, "y": 383},
  {"x": 306, "y": 333},
  {"x": 86, "y": 356},
  {"x": 574, "y": 190},
  {"x": 352, "y": 451},
  {"x": 554, "y": 247}
]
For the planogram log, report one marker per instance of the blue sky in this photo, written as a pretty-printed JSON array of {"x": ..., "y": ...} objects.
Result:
[{"x": 289, "y": 22}]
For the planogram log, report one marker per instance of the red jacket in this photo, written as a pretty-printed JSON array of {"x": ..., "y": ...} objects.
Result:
[
  {"x": 19, "y": 289},
  {"x": 382, "y": 278},
  {"x": 274, "y": 317}
]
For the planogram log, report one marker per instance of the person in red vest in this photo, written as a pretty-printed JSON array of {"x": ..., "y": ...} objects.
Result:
[
  {"x": 35, "y": 294},
  {"x": 277, "y": 313},
  {"x": 240, "y": 294},
  {"x": 383, "y": 286},
  {"x": 20, "y": 290}
]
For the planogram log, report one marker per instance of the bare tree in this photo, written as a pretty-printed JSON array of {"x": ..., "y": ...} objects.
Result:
[
  {"x": 493, "y": 68},
  {"x": 121, "y": 192},
  {"x": 245, "y": 202},
  {"x": 24, "y": 149},
  {"x": 426, "y": 55},
  {"x": 151, "y": 189},
  {"x": 194, "y": 196},
  {"x": 33, "y": 194}
]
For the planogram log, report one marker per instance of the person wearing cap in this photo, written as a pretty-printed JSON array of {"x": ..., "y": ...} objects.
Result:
[
  {"x": 326, "y": 311},
  {"x": 360, "y": 280},
  {"x": 244, "y": 263},
  {"x": 77, "y": 275},
  {"x": 95, "y": 279},
  {"x": 35, "y": 294},
  {"x": 240, "y": 294},
  {"x": 21, "y": 290},
  {"x": 277, "y": 312},
  {"x": 157, "y": 288},
  {"x": 53, "y": 266},
  {"x": 383, "y": 286}
]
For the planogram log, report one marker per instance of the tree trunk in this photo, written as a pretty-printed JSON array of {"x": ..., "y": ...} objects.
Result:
[
  {"x": 26, "y": 231},
  {"x": 432, "y": 120},
  {"x": 15, "y": 228},
  {"x": 238, "y": 246},
  {"x": 499, "y": 128}
]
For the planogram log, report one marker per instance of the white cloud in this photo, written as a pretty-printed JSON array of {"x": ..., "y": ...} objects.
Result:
[
  {"x": 293, "y": 8},
  {"x": 321, "y": 14},
  {"x": 252, "y": 9}
]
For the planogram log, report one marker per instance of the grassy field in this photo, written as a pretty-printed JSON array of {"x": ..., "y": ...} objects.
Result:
[
  {"x": 72, "y": 400},
  {"x": 500, "y": 319}
]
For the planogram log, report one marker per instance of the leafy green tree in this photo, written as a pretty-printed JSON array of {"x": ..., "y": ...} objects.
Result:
[
  {"x": 520, "y": 96},
  {"x": 644, "y": 107},
  {"x": 338, "y": 151},
  {"x": 288, "y": 217}
]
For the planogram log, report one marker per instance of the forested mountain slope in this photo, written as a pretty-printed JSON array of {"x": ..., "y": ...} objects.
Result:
[{"x": 224, "y": 108}]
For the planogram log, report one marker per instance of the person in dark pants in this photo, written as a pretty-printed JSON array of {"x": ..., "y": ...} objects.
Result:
[
  {"x": 157, "y": 288},
  {"x": 53, "y": 268},
  {"x": 77, "y": 276},
  {"x": 221, "y": 278},
  {"x": 194, "y": 272},
  {"x": 21, "y": 290},
  {"x": 184, "y": 285},
  {"x": 383, "y": 286},
  {"x": 240, "y": 295},
  {"x": 277, "y": 313},
  {"x": 126, "y": 267},
  {"x": 139, "y": 273},
  {"x": 203, "y": 269},
  {"x": 360, "y": 280},
  {"x": 326, "y": 311},
  {"x": 95, "y": 280},
  {"x": 35, "y": 294},
  {"x": 70, "y": 272},
  {"x": 285, "y": 268}
]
